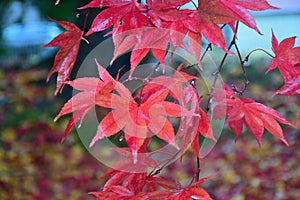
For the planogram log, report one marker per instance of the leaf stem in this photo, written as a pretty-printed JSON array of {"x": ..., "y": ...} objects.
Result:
[
  {"x": 198, "y": 169},
  {"x": 157, "y": 171},
  {"x": 87, "y": 13},
  {"x": 208, "y": 48},
  {"x": 258, "y": 49},
  {"x": 216, "y": 78}
]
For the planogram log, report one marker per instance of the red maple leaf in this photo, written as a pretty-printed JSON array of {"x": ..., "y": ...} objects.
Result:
[
  {"x": 94, "y": 91},
  {"x": 122, "y": 185},
  {"x": 105, "y": 3},
  {"x": 132, "y": 163},
  {"x": 148, "y": 114},
  {"x": 125, "y": 15},
  {"x": 191, "y": 192},
  {"x": 122, "y": 15},
  {"x": 287, "y": 57},
  {"x": 239, "y": 10},
  {"x": 139, "y": 186},
  {"x": 192, "y": 126},
  {"x": 169, "y": 22},
  {"x": 291, "y": 87},
  {"x": 201, "y": 23},
  {"x": 140, "y": 41},
  {"x": 255, "y": 116},
  {"x": 210, "y": 13},
  {"x": 69, "y": 43},
  {"x": 136, "y": 118},
  {"x": 127, "y": 20}
]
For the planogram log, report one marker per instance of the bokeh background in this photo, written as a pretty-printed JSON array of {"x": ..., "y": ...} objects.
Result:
[{"x": 34, "y": 164}]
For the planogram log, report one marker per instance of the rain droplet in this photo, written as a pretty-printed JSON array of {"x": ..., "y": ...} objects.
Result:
[{"x": 134, "y": 155}]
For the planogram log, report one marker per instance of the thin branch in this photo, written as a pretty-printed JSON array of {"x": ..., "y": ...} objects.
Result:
[
  {"x": 232, "y": 43},
  {"x": 197, "y": 174},
  {"x": 209, "y": 46},
  {"x": 87, "y": 13},
  {"x": 157, "y": 171},
  {"x": 195, "y": 5},
  {"x": 258, "y": 49},
  {"x": 243, "y": 68},
  {"x": 216, "y": 78},
  {"x": 198, "y": 169}
]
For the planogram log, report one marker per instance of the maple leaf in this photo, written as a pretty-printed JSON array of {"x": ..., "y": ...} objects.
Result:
[
  {"x": 135, "y": 118},
  {"x": 161, "y": 11},
  {"x": 127, "y": 20},
  {"x": 94, "y": 91},
  {"x": 201, "y": 23},
  {"x": 192, "y": 126},
  {"x": 239, "y": 9},
  {"x": 132, "y": 163},
  {"x": 105, "y": 3},
  {"x": 255, "y": 116},
  {"x": 124, "y": 15},
  {"x": 174, "y": 190},
  {"x": 140, "y": 41},
  {"x": 128, "y": 16},
  {"x": 69, "y": 43},
  {"x": 191, "y": 192},
  {"x": 174, "y": 84},
  {"x": 287, "y": 57},
  {"x": 291, "y": 87},
  {"x": 210, "y": 13},
  {"x": 122, "y": 185},
  {"x": 195, "y": 45},
  {"x": 139, "y": 186}
]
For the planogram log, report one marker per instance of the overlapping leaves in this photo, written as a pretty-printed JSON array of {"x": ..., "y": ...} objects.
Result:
[
  {"x": 173, "y": 22},
  {"x": 147, "y": 112},
  {"x": 287, "y": 60},
  {"x": 140, "y": 186},
  {"x": 255, "y": 116}
]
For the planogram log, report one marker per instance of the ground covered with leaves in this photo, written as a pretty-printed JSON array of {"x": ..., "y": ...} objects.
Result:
[{"x": 33, "y": 162}]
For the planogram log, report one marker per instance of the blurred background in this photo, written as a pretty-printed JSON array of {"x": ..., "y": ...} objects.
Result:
[{"x": 35, "y": 165}]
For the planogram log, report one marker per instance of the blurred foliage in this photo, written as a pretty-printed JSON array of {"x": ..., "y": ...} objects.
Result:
[
  {"x": 243, "y": 171},
  {"x": 33, "y": 162},
  {"x": 65, "y": 11}
]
